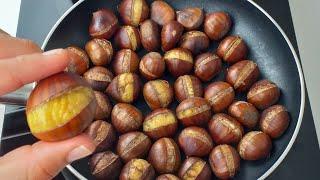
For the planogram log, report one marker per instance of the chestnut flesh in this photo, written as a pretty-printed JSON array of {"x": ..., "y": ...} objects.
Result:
[
  {"x": 128, "y": 37},
  {"x": 179, "y": 61},
  {"x": 158, "y": 94},
  {"x": 133, "y": 12},
  {"x": 137, "y": 169},
  {"x": 195, "y": 168}
]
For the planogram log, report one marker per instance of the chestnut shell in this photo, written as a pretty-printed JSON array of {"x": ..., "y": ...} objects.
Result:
[{"x": 104, "y": 24}]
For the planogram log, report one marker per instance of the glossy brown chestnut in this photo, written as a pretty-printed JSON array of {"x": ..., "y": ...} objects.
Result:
[
  {"x": 162, "y": 12},
  {"x": 187, "y": 86},
  {"x": 195, "y": 168},
  {"x": 79, "y": 62},
  {"x": 232, "y": 49},
  {"x": 217, "y": 24},
  {"x": 158, "y": 94},
  {"x": 150, "y": 35},
  {"x": 255, "y": 145},
  {"x": 125, "y": 61},
  {"x": 195, "y": 141},
  {"x": 104, "y": 106},
  {"x": 170, "y": 35},
  {"x": 274, "y": 121},
  {"x": 133, "y": 12},
  {"x": 100, "y": 51},
  {"x": 191, "y": 18},
  {"x": 152, "y": 66},
  {"x": 167, "y": 177},
  {"x": 104, "y": 24},
  {"x": 242, "y": 75},
  {"x": 128, "y": 37},
  {"x": 220, "y": 95},
  {"x": 126, "y": 118},
  {"x": 98, "y": 77},
  {"x": 245, "y": 113},
  {"x": 224, "y": 161},
  {"x": 195, "y": 41},
  {"x": 179, "y": 61},
  {"x": 138, "y": 169},
  {"x": 207, "y": 66},
  {"x": 263, "y": 94}
]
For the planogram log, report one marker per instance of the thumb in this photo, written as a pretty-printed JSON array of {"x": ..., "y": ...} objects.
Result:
[{"x": 44, "y": 160}]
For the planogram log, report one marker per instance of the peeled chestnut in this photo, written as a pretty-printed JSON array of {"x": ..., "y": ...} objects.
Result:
[
  {"x": 126, "y": 118},
  {"x": 263, "y": 94},
  {"x": 170, "y": 35},
  {"x": 191, "y": 18},
  {"x": 232, "y": 49},
  {"x": 152, "y": 66},
  {"x": 245, "y": 113},
  {"x": 195, "y": 41},
  {"x": 79, "y": 62},
  {"x": 195, "y": 168},
  {"x": 133, "y": 12},
  {"x": 160, "y": 123},
  {"x": 187, "y": 86},
  {"x": 242, "y": 75},
  {"x": 224, "y": 161},
  {"x": 217, "y": 24},
  {"x": 128, "y": 37},
  {"x": 158, "y": 94},
  {"x": 98, "y": 77},
  {"x": 274, "y": 121},
  {"x": 138, "y": 169},
  {"x": 100, "y": 51},
  {"x": 150, "y": 35},
  {"x": 255, "y": 145},
  {"x": 162, "y": 12},
  {"x": 179, "y": 61},
  {"x": 61, "y": 106},
  {"x": 104, "y": 24},
  {"x": 125, "y": 61},
  {"x": 167, "y": 177},
  {"x": 220, "y": 95},
  {"x": 207, "y": 66},
  {"x": 104, "y": 106}
]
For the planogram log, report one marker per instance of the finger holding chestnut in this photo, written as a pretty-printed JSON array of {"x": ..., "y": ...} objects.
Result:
[
  {"x": 179, "y": 61},
  {"x": 195, "y": 41},
  {"x": 104, "y": 106},
  {"x": 245, "y": 113},
  {"x": 98, "y": 77},
  {"x": 170, "y": 35},
  {"x": 195, "y": 168},
  {"x": 217, "y": 25},
  {"x": 137, "y": 169},
  {"x": 133, "y": 12},
  {"x": 162, "y": 12},
  {"x": 207, "y": 66},
  {"x": 79, "y": 62},
  {"x": 125, "y": 61},
  {"x": 100, "y": 51},
  {"x": 158, "y": 94},
  {"x": 150, "y": 35},
  {"x": 232, "y": 49},
  {"x": 191, "y": 18},
  {"x": 152, "y": 66},
  {"x": 128, "y": 37},
  {"x": 104, "y": 24}
]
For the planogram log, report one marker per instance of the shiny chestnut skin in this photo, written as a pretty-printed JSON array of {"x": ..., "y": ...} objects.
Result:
[
  {"x": 194, "y": 111},
  {"x": 220, "y": 95},
  {"x": 79, "y": 62},
  {"x": 232, "y": 49},
  {"x": 179, "y": 61},
  {"x": 187, "y": 86},
  {"x": 150, "y": 35},
  {"x": 274, "y": 121},
  {"x": 124, "y": 88},
  {"x": 160, "y": 123},
  {"x": 191, "y": 18},
  {"x": 126, "y": 118},
  {"x": 128, "y": 37},
  {"x": 245, "y": 113},
  {"x": 242, "y": 75},
  {"x": 98, "y": 77},
  {"x": 164, "y": 156},
  {"x": 207, "y": 66},
  {"x": 104, "y": 106},
  {"x": 224, "y": 161},
  {"x": 104, "y": 24},
  {"x": 133, "y": 12},
  {"x": 195, "y": 41},
  {"x": 158, "y": 94},
  {"x": 217, "y": 25},
  {"x": 133, "y": 145},
  {"x": 162, "y": 12},
  {"x": 255, "y": 145},
  {"x": 137, "y": 169},
  {"x": 105, "y": 165},
  {"x": 263, "y": 94},
  {"x": 167, "y": 177},
  {"x": 224, "y": 129},
  {"x": 195, "y": 141},
  {"x": 125, "y": 61},
  {"x": 195, "y": 168},
  {"x": 170, "y": 35},
  {"x": 100, "y": 51},
  {"x": 152, "y": 66}
]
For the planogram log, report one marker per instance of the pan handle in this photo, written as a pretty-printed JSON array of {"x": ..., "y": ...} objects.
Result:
[{"x": 18, "y": 97}]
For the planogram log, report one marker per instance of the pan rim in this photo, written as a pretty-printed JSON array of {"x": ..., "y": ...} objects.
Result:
[{"x": 301, "y": 77}]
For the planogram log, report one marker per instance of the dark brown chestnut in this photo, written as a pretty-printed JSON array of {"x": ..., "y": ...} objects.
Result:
[
  {"x": 187, "y": 86},
  {"x": 179, "y": 61},
  {"x": 79, "y": 62},
  {"x": 195, "y": 41},
  {"x": 170, "y": 35},
  {"x": 245, "y": 113},
  {"x": 152, "y": 66},
  {"x": 104, "y": 106},
  {"x": 232, "y": 49},
  {"x": 133, "y": 12},
  {"x": 150, "y": 35},
  {"x": 125, "y": 61},
  {"x": 217, "y": 24},
  {"x": 191, "y": 18},
  {"x": 167, "y": 177},
  {"x": 104, "y": 24},
  {"x": 138, "y": 169},
  {"x": 158, "y": 94},
  {"x": 162, "y": 12},
  {"x": 100, "y": 51},
  {"x": 207, "y": 66},
  {"x": 128, "y": 37},
  {"x": 195, "y": 168},
  {"x": 98, "y": 77}
]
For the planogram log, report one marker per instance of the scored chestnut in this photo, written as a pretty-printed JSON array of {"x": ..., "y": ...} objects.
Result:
[
  {"x": 128, "y": 37},
  {"x": 179, "y": 61},
  {"x": 125, "y": 61},
  {"x": 104, "y": 24},
  {"x": 152, "y": 66},
  {"x": 100, "y": 51},
  {"x": 150, "y": 35},
  {"x": 195, "y": 41},
  {"x": 79, "y": 62},
  {"x": 217, "y": 24},
  {"x": 104, "y": 106},
  {"x": 133, "y": 12},
  {"x": 98, "y": 77},
  {"x": 158, "y": 94},
  {"x": 245, "y": 113},
  {"x": 187, "y": 86},
  {"x": 232, "y": 49},
  {"x": 195, "y": 168},
  {"x": 170, "y": 35},
  {"x": 162, "y": 12},
  {"x": 207, "y": 66},
  {"x": 138, "y": 169},
  {"x": 191, "y": 18},
  {"x": 167, "y": 177}
]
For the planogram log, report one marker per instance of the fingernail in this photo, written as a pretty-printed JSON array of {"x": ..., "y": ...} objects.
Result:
[
  {"x": 78, "y": 153},
  {"x": 53, "y": 52}
]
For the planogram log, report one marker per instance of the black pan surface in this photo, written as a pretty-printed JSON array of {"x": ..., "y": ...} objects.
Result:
[{"x": 267, "y": 46}]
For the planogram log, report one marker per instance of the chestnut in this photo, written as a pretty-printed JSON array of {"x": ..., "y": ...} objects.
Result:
[
  {"x": 138, "y": 169},
  {"x": 150, "y": 35},
  {"x": 98, "y": 77},
  {"x": 187, "y": 86},
  {"x": 79, "y": 63},
  {"x": 162, "y": 12},
  {"x": 263, "y": 94},
  {"x": 194, "y": 111},
  {"x": 124, "y": 88},
  {"x": 164, "y": 156},
  {"x": 125, "y": 61},
  {"x": 195, "y": 41},
  {"x": 242, "y": 75},
  {"x": 255, "y": 145},
  {"x": 160, "y": 123},
  {"x": 224, "y": 129},
  {"x": 224, "y": 161},
  {"x": 207, "y": 66},
  {"x": 217, "y": 24},
  {"x": 133, "y": 145},
  {"x": 195, "y": 168},
  {"x": 104, "y": 24},
  {"x": 152, "y": 66},
  {"x": 104, "y": 106},
  {"x": 167, "y": 177},
  {"x": 274, "y": 121},
  {"x": 128, "y": 37},
  {"x": 100, "y": 51},
  {"x": 50, "y": 100},
  {"x": 245, "y": 113},
  {"x": 232, "y": 49},
  {"x": 170, "y": 35},
  {"x": 220, "y": 95},
  {"x": 195, "y": 141},
  {"x": 133, "y": 12},
  {"x": 191, "y": 18},
  {"x": 158, "y": 94},
  {"x": 179, "y": 61},
  {"x": 126, "y": 118}
]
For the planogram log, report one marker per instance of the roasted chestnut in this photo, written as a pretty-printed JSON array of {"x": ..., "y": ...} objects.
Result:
[
  {"x": 152, "y": 66},
  {"x": 104, "y": 106},
  {"x": 162, "y": 12},
  {"x": 150, "y": 35},
  {"x": 125, "y": 61},
  {"x": 98, "y": 77},
  {"x": 232, "y": 49},
  {"x": 187, "y": 86},
  {"x": 128, "y": 37},
  {"x": 170, "y": 35},
  {"x": 104, "y": 24},
  {"x": 100, "y": 51},
  {"x": 167, "y": 177},
  {"x": 191, "y": 18},
  {"x": 195, "y": 41},
  {"x": 79, "y": 62},
  {"x": 207, "y": 66},
  {"x": 217, "y": 24},
  {"x": 138, "y": 169},
  {"x": 179, "y": 61},
  {"x": 195, "y": 168},
  {"x": 133, "y": 12},
  {"x": 245, "y": 113},
  {"x": 158, "y": 94}
]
